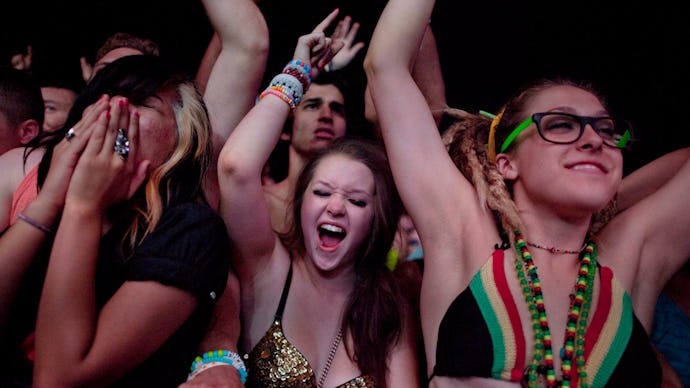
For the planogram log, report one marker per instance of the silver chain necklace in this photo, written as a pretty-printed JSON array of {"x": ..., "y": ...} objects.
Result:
[{"x": 331, "y": 355}]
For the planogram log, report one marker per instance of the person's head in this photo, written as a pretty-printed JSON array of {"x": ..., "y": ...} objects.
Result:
[
  {"x": 120, "y": 45},
  {"x": 21, "y": 108},
  {"x": 321, "y": 117},
  {"x": 58, "y": 98},
  {"x": 345, "y": 198},
  {"x": 345, "y": 213},
  {"x": 174, "y": 131},
  {"x": 556, "y": 141},
  {"x": 554, "y": 144},
  {"x": 319, "y": 120}
]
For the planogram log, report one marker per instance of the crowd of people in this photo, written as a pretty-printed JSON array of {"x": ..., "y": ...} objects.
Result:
[{"x": 167, "y": 229}]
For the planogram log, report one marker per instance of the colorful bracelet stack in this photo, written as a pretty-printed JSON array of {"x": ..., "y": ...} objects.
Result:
[
  {"x": 291, "y": 84},
  {"x": 301, "y": 71},
  {"x": 218, "y": 358}
]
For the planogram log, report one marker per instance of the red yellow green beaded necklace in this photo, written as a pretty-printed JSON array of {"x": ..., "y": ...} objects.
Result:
[{"x": 578, "y": 314}]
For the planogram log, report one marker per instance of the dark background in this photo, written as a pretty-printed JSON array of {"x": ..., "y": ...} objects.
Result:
[{"x": 636, "y": 53}]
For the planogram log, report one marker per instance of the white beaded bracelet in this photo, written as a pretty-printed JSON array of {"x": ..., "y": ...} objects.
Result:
[{"x": 218, "y": 358}]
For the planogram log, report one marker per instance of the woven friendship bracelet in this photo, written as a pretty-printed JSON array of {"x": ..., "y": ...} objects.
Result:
[{"x": 218, "y": 358}]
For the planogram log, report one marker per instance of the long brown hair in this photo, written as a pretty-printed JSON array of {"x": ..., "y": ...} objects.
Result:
[{"x": 375, "y": 311}]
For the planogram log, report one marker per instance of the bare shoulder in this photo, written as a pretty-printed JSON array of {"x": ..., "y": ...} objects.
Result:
[{"x": 14, "y": 168}]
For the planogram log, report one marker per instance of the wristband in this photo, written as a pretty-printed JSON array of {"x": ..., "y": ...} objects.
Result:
[
  {"x": 218, "y": 358},
  {"x": 34, "y": 223},
  {"x": 287, "y": 87}
]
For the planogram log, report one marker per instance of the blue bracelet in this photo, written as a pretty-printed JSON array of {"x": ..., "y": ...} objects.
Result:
[{"x": 219, "y": 356}]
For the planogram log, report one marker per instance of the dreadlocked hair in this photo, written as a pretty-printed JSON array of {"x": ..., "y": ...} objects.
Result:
[
  {"x": 602, "y": 217},
  {"x": 468, "y": 137},
  {"x": 468, "y": 149}
]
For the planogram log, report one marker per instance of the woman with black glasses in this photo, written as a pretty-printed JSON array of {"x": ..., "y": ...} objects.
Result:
[{"x": 524, "y": 280}]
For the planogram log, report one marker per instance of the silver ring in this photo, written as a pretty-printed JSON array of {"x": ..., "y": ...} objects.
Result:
[
  {"x": 121, "y": 144},
  {"x": 70, "y": 134}
]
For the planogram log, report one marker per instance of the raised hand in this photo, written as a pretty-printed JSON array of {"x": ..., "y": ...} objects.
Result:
[
  {"x": 315, "y": 48},
  {"x": 345, "y": 31}
]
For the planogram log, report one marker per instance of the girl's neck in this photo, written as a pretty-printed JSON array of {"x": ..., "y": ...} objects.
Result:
[
  {"x": 551, "y": 230},
  {"x": 339, "y": 281}
]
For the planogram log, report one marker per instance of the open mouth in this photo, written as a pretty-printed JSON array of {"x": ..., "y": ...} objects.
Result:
[{"x": 331, "y": 235}]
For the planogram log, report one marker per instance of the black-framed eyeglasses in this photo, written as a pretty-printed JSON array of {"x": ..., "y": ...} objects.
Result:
[{"x": 566, "y": 128}]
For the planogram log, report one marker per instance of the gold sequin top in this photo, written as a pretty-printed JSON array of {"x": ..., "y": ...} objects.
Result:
[{"x": 275, "y": 362}]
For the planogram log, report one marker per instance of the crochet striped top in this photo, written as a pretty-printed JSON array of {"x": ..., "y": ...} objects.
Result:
[{"x": 482, "y": 335}]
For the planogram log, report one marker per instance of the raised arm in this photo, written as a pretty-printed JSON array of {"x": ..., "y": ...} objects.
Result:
[
  {"x": 245, "y": 211},
  {"x": 648, "y": 178},
  {"x": 416, "y": 152},
  {"x": 236, "y": 74},
  {"x": 402, "y": 111},
  {"x": 666, "y": 214},
  {"x": 648, "y": 242},
  {"x": 454, "y": 229},
  {"x": 246, "y": 151},
  {"x": 207, "y": 62},
  {"x": 428, "y": 75}
]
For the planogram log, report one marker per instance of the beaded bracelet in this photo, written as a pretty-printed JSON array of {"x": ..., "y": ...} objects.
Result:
[
  {"x": 278, "y": 94},
  {"x": 34, "y": 223},
  {"x": 301, "y": 71},
  {"x": 287, "y": 87},
  {"x": 218, "y": 358}
]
